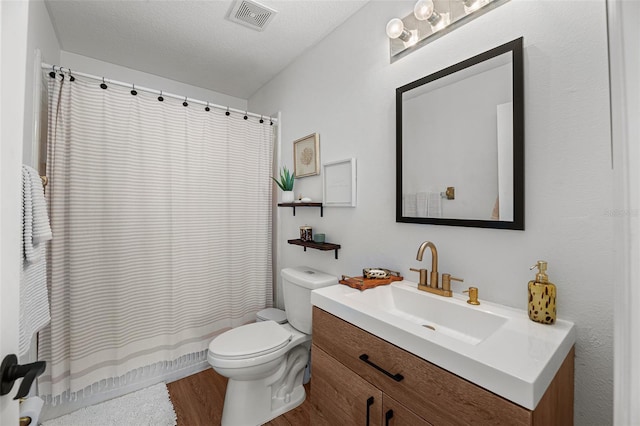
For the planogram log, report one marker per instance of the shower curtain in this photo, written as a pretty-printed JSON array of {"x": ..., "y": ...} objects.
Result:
[{"x": 161, "y": 216}]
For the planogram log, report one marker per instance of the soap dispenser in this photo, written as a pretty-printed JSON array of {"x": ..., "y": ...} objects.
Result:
[{"x": 542, "y": 296}]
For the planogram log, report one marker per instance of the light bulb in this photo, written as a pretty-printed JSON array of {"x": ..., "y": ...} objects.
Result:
[
  {"x": 395, "y": 27},
  {"x": 471, "y": 5},
  {"x": 442, "y": 21},
  {"x": 423, "y": 9},
  {"x": 413, "y": 38}
]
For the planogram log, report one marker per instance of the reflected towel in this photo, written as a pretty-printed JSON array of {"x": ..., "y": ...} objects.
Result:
[
  {"x": 34, "y": 298},
  {"x": 435, "y": 205},
  {"x": 409, "y": 206},
  {"x": 422, "y": 202}
]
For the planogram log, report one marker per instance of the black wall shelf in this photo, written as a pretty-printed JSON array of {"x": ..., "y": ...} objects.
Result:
[
  {"x": 317, "y": 246},
  {"x": 294, "y": 205}
]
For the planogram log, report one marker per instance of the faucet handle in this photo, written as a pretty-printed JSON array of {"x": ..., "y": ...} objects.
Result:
[
  {"x": 423, "y": 275},
  {"x": 473, "y": 296},
  {"x": 446, "y": 281}
]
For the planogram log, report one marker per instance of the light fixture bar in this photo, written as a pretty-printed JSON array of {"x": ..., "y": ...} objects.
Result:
[{"x": 432, "y": 19}]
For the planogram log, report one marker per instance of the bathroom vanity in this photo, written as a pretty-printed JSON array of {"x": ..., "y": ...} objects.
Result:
[{"x": 372, "y": 365}]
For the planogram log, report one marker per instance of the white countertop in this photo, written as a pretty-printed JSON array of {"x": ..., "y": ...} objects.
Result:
[{"x": 517, "y": 360}]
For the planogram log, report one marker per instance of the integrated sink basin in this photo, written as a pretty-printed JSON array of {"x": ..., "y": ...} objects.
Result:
[
  {"x": 406, "y": 306},
  {"x": 491, "y": 345}
]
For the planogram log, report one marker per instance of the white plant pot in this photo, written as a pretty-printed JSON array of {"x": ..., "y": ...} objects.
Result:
[{"x": 287, "y": 196}]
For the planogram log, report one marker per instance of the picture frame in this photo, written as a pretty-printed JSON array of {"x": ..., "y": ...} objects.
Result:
[
  {"x": 306, "y": 156},
  {"x": 339, "y": 183}
]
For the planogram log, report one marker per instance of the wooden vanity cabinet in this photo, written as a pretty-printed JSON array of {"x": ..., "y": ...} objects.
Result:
[{"x": 351, "y": 365}]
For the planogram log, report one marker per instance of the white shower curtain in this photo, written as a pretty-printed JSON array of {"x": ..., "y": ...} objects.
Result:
[{"x": 161, "y": 216}]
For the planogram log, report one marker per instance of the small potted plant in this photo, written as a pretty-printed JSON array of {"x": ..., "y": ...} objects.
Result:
[{"x": 286, "y": 184}]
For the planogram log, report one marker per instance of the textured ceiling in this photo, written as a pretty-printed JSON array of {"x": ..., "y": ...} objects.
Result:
[{"x": 192, "y": 42}]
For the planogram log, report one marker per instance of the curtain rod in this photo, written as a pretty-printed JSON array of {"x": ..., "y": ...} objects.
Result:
[{"x": 58, "y": 68}]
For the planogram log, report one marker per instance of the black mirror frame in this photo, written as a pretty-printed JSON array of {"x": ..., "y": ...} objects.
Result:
[{"x": 515, "y": 47}]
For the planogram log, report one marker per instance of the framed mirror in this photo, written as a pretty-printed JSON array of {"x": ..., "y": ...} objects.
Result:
[{"x": 460, "y": 143}]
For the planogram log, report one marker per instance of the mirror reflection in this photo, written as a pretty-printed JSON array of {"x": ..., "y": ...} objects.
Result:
[{"x": 460, "y": 143}]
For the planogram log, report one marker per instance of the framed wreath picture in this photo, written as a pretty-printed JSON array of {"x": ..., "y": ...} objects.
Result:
[{"x": 306, "y": 156}]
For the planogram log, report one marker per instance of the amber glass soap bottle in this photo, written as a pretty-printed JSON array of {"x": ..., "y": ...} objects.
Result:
[{"x": 542, "y": 296}]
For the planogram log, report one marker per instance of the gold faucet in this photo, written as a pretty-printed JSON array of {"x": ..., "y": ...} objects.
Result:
[{"x": 432, "y": 287}]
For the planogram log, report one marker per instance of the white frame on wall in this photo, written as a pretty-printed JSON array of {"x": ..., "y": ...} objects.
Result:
[{"x": 339, "y": 183}]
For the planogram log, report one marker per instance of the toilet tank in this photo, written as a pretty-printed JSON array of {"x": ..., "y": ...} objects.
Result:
[{"x": 297, "y": 284}]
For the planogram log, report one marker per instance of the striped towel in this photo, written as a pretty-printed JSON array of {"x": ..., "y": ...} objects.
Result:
[
  {"x": 34, "y": 298},
  {"x": 409, "y": 205},
  {"x": 435, "y": 205},
  {"x": 422, "y": 203}
]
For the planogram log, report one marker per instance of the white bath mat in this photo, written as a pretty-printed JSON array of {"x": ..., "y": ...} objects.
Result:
[{"x": 150, "y": 406}]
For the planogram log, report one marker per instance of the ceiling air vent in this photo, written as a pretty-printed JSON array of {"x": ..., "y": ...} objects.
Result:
[{"x": 251, "y": 14}]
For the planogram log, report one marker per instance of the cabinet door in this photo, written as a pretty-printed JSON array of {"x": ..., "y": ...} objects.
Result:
[
  {"x": 341, "y": 397},
  {"x": 396, "y": 414}
]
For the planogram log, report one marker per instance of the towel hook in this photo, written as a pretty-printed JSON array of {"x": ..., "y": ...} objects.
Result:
[{"x": 10, "y": 371}]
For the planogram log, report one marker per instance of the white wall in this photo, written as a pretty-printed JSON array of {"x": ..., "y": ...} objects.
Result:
[
  {"x": 127, "y": 75},
  {"x": 13, "y": 47},
  {"x": 42, "y": 37},
  {"x": 344, "y": 88}
]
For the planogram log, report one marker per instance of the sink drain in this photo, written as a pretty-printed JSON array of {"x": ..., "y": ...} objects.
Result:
[{"x": 430, "y": 327}]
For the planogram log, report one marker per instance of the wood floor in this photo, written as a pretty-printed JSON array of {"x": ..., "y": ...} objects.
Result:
[{"x": 198, "y": 401}]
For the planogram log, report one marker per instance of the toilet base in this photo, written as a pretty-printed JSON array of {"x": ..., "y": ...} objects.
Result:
[
  {"x": 254, "y": 402},
  {"x": 238, "y": 413}
]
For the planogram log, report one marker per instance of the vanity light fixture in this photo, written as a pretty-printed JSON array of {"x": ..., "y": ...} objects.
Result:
[
  {"x": 396, "y": 29},
  {"x": 424, "y": 10},
  {"x": 471, "y": 5},
  {"x": 430, "y": 20}
]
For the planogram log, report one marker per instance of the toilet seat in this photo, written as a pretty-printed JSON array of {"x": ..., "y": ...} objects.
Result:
[{"x": 250, "y": 341}]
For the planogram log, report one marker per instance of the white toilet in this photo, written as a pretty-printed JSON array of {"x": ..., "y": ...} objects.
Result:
[{"x": 265, "y": 361}]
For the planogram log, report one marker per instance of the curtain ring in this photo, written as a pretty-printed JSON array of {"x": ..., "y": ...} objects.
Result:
[
  {"x": 207, "y": 107},
  {"x": 71, "y": 77},
  {"x": 133, "y": 90},
  {"x": 245, "y": 115},
  {"x": 103, "y": 85},
  {"x": 184, "y": 104},
  {"x": 52, "y": 74},
  {"x": 227, "y": 113},
  {"x": 270, "y": 121},
  {"x": 261, "y": 120},
  {"x": 160, "y": 98}
]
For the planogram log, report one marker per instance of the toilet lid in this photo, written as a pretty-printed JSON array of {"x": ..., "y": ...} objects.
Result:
[{"x": 250, "y": 340}]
